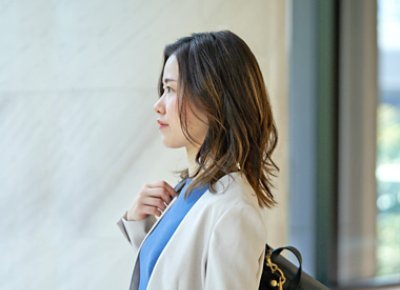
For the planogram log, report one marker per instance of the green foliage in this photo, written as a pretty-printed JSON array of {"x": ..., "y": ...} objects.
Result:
[
  {"x": 388, "y": 222},
  {"x": 388, "y": 252}
]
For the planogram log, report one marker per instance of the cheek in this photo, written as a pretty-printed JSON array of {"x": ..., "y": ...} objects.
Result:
[
  {"x": 174, "y": 111},
  {"x": 198, "y": 128}
]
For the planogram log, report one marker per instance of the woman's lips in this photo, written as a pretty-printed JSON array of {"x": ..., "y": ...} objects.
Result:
[{"x": 161, "y": 124}]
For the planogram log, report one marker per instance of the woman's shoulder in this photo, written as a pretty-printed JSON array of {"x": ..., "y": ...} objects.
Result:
[
  {"x": 233, "y": 192},
  {"x": 235, "y": 200},
  {"x": 234, "y": 187}
]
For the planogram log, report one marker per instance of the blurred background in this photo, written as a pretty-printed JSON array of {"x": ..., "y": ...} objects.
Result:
[{"x": 78, "y": 135}]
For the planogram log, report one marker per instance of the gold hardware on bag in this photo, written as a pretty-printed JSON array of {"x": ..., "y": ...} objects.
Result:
[{"x": 274, "y": 268}]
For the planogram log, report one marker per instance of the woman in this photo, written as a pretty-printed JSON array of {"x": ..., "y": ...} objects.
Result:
[{"x": 211, "y": 232}]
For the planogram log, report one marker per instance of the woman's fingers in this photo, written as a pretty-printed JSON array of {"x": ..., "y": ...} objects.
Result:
[
  {"x": 152, "y": 199},
  {"x": 160, "y": 189},
  {"x": 163, "y": 185},
  {"x": 160, "y": 193},
  {"x": 151, "y": 210},
  {"x": 155, "y": 202}
]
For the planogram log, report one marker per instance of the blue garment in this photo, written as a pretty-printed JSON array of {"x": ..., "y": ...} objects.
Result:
[{"x": 161, "y": 234}]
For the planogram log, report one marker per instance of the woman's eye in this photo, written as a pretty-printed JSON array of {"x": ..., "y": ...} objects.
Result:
[{"x": 168, "y": 89}]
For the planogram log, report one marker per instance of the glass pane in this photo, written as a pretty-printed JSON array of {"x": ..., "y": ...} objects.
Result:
[{"x": 388, "y": 155}]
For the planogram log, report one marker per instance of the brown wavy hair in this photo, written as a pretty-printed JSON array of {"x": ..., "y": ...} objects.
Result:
[{"x": 219, "y": 75}]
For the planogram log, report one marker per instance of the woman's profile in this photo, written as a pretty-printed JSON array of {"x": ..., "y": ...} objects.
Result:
[{"x": 208, "y": 231}]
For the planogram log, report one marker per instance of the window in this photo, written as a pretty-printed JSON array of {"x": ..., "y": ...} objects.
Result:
[
  {"x": 345, "y": 127},
  {"x": 388, "y": 139}
]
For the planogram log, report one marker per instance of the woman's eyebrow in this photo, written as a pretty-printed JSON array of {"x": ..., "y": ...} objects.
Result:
[{"x": 168, "y": 80}]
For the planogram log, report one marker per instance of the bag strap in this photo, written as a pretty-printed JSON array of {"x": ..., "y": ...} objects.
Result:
[{"x": 275, "y": 253}]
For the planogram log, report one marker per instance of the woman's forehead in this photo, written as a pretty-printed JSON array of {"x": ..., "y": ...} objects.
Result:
[{"x": 171, "y": 70}]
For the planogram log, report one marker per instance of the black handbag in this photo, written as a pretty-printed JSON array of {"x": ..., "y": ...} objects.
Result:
[{"x": 280, "y": 273}]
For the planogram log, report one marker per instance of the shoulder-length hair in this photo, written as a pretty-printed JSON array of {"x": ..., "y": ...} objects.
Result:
[{"x": 219, "y": 75}]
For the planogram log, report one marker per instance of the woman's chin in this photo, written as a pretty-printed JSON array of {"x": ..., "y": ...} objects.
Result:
[{"x": 171, "y": 144}]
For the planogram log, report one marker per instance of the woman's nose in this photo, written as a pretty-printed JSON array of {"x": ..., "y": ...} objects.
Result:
[{"x": 159, "y": 106}]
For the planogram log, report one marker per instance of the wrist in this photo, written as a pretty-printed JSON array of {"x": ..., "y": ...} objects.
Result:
[{"x": 128, "y": 216}]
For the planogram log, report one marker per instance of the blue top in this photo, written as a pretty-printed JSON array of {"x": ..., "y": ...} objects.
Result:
[{"x": 161, "y": 234}]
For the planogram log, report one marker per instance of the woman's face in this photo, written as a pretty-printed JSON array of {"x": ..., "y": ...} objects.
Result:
[{"x": 168, "y": 112}]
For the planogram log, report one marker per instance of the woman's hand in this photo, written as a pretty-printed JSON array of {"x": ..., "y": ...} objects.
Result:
[{"x": 152, "y": 199}]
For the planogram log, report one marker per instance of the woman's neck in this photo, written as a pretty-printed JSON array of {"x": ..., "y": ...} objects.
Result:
[{"x": 191, "y": 153}]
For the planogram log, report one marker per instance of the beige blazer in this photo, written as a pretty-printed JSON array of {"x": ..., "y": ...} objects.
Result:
[{"x": 219, "y": 245}]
